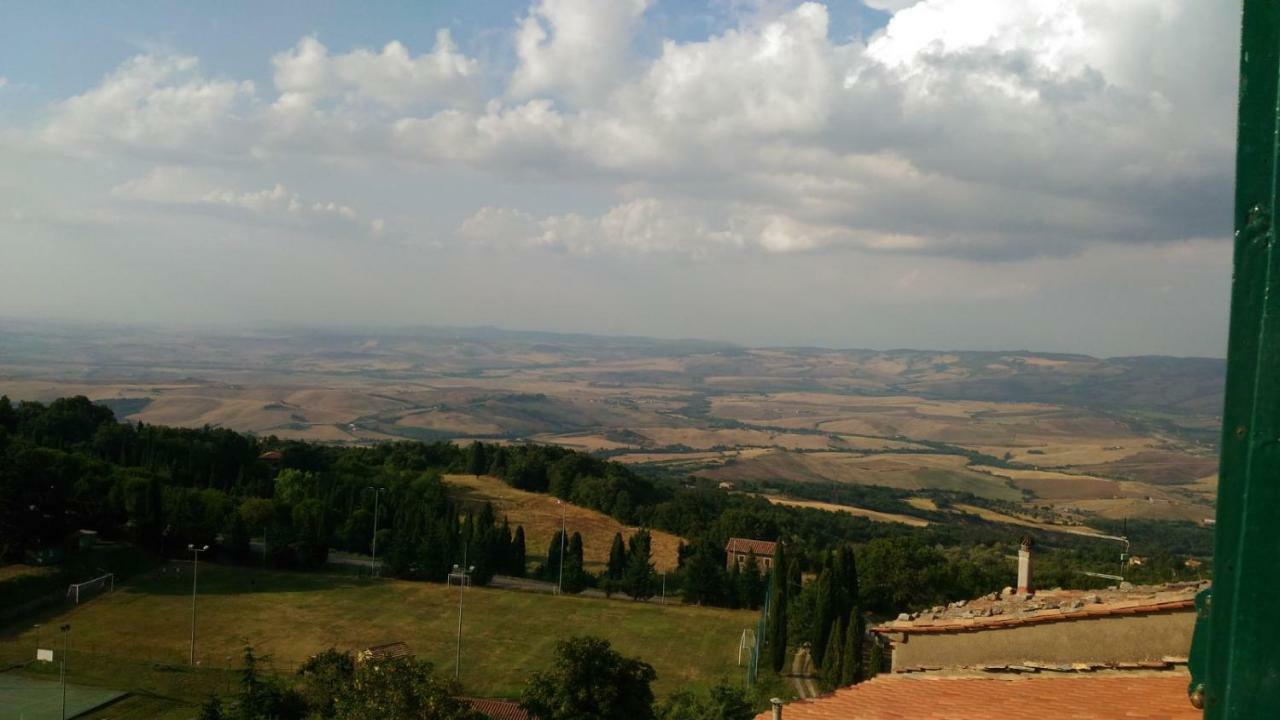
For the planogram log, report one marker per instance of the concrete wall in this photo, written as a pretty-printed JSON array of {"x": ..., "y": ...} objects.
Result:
[{"x": 1128, "y": 638}]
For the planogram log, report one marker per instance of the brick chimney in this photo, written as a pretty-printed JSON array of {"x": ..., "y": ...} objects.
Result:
[
  {"x": 1024, "y": 567},
  {"x": 777, "y": 708}
]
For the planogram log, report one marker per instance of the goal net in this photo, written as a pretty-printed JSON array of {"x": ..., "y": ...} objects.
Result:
[{"x": 91, "y": 588}]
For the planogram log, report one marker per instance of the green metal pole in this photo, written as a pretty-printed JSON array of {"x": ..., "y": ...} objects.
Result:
[{"x": 1236, "y": 653}]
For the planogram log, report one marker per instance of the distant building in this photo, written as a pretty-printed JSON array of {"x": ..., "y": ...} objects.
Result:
[{"x": 738, "y": 550}]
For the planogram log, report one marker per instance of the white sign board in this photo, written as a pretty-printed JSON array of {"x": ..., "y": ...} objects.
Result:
[{"x": 44, "y": 655}]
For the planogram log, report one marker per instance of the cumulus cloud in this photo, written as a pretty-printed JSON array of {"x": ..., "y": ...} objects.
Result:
[
  {"x": 308, "y": 73},
  {"x": 575, "y": 47},
  {"x": 150, "y": 103}
]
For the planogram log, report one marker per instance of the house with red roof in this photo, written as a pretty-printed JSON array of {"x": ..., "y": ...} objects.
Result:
[{"x": 739, "y": 550}]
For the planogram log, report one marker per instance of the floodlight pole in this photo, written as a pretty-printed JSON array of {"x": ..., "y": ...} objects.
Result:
[
  {"x": 376, "y": 492},
  {"x": 37, "y": 627},
  {"x": 563, "y": 526},
  {"x": 62, "y": 671},
  {"x": 195, "y": 573},
  {"x": 464, "y": 575}
]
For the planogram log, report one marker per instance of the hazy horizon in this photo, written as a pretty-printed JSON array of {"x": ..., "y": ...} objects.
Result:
[
  {"x": 1049, "y": 174},
  {"x": 212, "y": 330}
]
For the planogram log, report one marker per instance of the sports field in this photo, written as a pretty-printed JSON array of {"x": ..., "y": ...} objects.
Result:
[
  {"x": 138, "y": 637},
  {"x": 25, "y": 698}
]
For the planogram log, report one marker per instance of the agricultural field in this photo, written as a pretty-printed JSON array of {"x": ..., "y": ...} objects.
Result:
[
  {"x": 540, "y": 515},
  {"x": 139, "y": 635},
  {"x": 1068, "y": 434}
]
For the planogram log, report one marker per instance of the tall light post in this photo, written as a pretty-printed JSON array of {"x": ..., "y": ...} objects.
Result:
[
  {"x": 464, "y": 578},
  {"x": 376, "y": 492},
  {"x": 560, "y": 582},
  {"x": 37, "y": 627},
  {"x": 62, "y": 671},
  {"x": 195, "y": 573}
]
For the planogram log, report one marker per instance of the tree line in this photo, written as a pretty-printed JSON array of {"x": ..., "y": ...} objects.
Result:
[
  {"x": 586, "y": 680},
  {"x": 69, "y": 465}
]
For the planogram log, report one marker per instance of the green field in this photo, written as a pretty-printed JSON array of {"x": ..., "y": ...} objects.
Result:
[{"x": 137, "y": 638}]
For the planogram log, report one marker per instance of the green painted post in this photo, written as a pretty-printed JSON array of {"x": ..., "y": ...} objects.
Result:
[{"x": 1236, "y": 653}]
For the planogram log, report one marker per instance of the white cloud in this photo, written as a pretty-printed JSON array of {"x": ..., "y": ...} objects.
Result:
[
  {"x": 181, "y": 187},
  {"x": 890, "y": 6},
  {"x": 987, "y": 130},
  {"x": 308, "y": 73},
  {"x": 151, "y": 103},
  {"x": 3, "y": 81},
  {"x": 578, "y": 47}
]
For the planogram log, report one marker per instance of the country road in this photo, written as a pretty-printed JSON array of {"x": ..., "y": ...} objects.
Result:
[{"x": 802, "y": 674}]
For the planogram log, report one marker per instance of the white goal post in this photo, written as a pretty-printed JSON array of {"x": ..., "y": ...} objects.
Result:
[
  {"x": 89, "y": 588},
  {"x": 746, "y": 643}
]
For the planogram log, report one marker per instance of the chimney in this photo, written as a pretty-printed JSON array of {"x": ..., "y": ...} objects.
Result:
[
  {"x": 1024, "y": 566},
  {"x": 777, "y": 708}
]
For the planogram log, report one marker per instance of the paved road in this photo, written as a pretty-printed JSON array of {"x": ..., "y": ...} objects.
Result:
[{"x": 802, "y": 674}]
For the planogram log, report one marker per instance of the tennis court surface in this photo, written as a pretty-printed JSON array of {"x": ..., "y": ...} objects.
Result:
[{"x": 22, "y": 698}]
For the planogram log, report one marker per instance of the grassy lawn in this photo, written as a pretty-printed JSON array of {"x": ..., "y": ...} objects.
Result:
[{"x": 137, "y": 638}]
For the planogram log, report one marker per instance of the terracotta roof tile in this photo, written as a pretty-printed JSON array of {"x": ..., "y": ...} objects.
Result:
[
  {"x": 996, "y": 611},
  {"x": 762, "y": 548},
  {"x": 1078, "y": 697},
  {"x": 498, "y": 709}
]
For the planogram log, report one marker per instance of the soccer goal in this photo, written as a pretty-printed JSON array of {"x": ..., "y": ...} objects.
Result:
[{"x": 91, "y": 588}]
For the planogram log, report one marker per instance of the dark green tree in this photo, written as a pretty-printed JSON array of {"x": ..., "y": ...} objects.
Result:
[
  {"x": 516, "y": 562},
  {"x": 589, "y": 680},
  {"x": 617, "y": 558},
  {"x": 875, "y": 663},
  {"x": 826, "y": 616},
  {"x": 638, "y": 580},
  {"x": 851, "y": 654},
  {"x": 722, "y": 702},
  {"x": 832, "y": 660},
  {"x": 575, "y": 578},
  {"x": 212, "y": 709},
  {"x": 704, "y": 576},
  {"x": 477, "y": 459},
  {"x": 324, "y": 677}
]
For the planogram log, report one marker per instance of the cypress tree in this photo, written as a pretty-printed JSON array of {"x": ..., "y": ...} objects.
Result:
[
  {"x": 617, "y": 558},
  {"x": 831, "y": 659},
  {"x": 876, "y": 662},
  {"x": 477, "y": 462},
  {"x": 517, "y": 559},
  {"x": 778, "y": 612},
  {"x": 851, "y": 656},
  {"x": 733, "y": 586},
  {"x": 551, "y": 569},
  {"x": 826, "y": 617},
  {"x": 638, "y": 578},
  {"x": 574, "y": 577}
]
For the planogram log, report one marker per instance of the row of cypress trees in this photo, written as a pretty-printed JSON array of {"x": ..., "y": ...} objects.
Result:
[{"x": 840, "y": 632}]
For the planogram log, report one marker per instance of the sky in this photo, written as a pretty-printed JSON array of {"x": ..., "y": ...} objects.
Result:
[{"x": 1051, "y": 175}]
